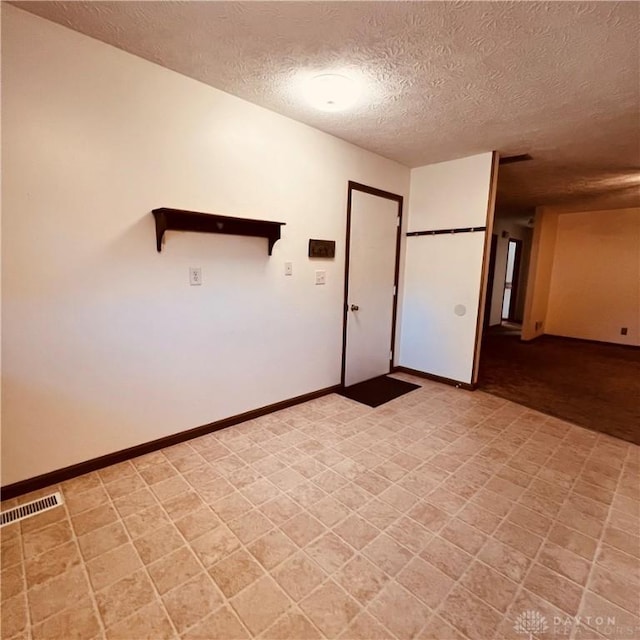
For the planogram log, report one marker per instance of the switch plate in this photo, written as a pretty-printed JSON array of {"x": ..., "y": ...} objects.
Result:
[
  {"x": 321, "y": 277},
  {"x": 624, "y": 331},
  {"x": 288, "y": 268},
  {"x": 195, "y": 276}
]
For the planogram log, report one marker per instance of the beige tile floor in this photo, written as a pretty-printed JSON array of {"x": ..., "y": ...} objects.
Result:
[{"x": 443, "y": 514}]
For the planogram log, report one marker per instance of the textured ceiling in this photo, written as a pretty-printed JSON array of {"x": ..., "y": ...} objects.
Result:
[{"x": 557, "y": 80}]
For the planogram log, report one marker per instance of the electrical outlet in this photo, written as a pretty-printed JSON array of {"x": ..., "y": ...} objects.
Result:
[
  {"x": 623, "y": 331},
  {"x": 195, "y": 276},
  {"x": 288, "y": 268},
  {"x": 321, "y": 277}
]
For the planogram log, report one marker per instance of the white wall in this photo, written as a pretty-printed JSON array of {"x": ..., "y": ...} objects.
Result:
[
  {"x": 518, "y": 232},
  {"x": 595, "y": 282},
  {"x": 105, "y": 343},
  {"x": 445, "y": 270}
]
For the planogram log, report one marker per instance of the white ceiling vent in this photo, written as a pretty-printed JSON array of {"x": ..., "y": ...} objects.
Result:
[{"x": 31, "y": 508}]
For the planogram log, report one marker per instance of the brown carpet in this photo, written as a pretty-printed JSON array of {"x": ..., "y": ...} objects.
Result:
[{"x": 593, "y": 385}]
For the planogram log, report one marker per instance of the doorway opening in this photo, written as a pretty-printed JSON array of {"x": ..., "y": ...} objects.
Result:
[
  {"x": 507, "y": 274},
  {"x": 511, "y": 281}
]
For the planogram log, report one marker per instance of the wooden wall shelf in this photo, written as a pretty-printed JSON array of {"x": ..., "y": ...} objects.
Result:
[{"x": 181, "y": 220}]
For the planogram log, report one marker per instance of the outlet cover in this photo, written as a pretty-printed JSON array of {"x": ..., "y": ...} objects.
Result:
[
  {"x": 321, "y": 277},
  {"x": 195, "y": 276},
  {"x": 288, "y": 268}
]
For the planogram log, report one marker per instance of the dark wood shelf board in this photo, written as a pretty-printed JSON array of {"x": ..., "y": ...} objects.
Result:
[{"x": 182, "y": 220}]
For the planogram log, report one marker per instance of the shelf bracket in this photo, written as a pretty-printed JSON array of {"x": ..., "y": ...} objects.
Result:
[{"x": 161, "y": 226}]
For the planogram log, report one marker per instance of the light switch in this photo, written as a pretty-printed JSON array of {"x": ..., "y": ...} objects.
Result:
[
  {"x": 321, "y": 277},
  {"x": 288, "y": 268},
  {"x": 195, "y": 276}
]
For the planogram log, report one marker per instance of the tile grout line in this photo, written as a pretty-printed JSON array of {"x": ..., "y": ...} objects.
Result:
[
  {"x": 130, "y": 540},
  {"x": 436, "y": 533},
  {"x": 596, "y": 554},
  {"x": 120, "y": 519},
  {"x": 328, "y": 576},
  {"x": 27, "y": 603},
  {"x": 81, "y": 565},
  {"x": 265, "y": 572},
  {"x": 355, "y": 439},
  {"x": 225, "y": 600},
  {"x": 520, "y": 585},
  {"x": 331, "y": 576},
  {"x": 475, "y": 557},
  {"x": 433, "y": 534},
  {"x": 110, "y": 501},
  {"x": 545, "y": 538},
  {"x": 92, "y": 594}
]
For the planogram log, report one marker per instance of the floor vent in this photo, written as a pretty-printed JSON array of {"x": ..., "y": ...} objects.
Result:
[{"x": 31, "y": 508}]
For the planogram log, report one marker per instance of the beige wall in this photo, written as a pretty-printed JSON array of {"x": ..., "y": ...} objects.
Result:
[
  {"x": 105, "y": 344},
  {"x": 584, "y": 276},
  {"x": 445, "y": 271},
  {"x": 595, "y": 282},
  {"x": 540, "y": 267}
]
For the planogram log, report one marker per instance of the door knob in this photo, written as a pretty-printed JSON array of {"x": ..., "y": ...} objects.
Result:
[{"x": 354, "y": 307}]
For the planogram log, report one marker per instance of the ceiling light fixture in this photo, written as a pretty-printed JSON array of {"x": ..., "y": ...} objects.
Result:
[{"x": 332, "y": 92}]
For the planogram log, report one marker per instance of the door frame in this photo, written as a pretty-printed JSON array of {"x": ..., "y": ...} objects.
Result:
[
  {"x": 351, "y": 187},
  {"x": 493, "y": 252}
]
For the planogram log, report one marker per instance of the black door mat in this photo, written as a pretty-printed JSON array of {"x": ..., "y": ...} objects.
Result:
[{"x": 377, "y": 391}]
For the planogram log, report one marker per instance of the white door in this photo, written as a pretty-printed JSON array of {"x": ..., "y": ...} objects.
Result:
[{"x": 370, "y": 286}]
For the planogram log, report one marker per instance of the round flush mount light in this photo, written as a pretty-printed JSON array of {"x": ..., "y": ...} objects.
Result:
[{"x": 331, "y": 92}]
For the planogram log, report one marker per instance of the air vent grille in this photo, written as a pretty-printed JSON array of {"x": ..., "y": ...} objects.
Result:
[{"x": 31, "y": 508}]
